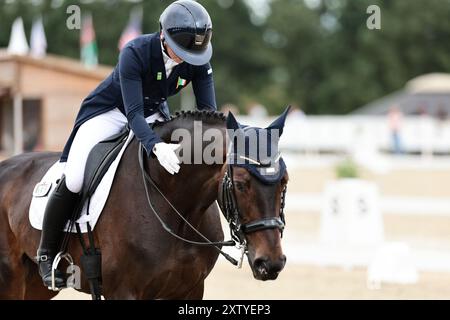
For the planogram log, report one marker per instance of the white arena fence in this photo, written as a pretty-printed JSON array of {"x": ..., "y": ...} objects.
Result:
[{"x": 345, "y": 134}]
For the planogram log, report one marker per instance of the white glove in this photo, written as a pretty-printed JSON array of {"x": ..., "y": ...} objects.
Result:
[{"x": 165, "y": 152}]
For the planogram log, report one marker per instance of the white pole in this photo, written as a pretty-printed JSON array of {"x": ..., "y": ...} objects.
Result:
[{"x": 18, "y": 123}]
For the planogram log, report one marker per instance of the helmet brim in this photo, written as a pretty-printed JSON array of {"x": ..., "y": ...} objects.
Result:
[{"x": 194, "y": 58}]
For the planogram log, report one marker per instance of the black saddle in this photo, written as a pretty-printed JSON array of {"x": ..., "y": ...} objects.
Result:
[{"x": 99, "y": 161}]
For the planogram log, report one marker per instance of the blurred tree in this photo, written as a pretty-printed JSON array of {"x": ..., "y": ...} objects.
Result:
[
  {"x": 240, "y": 60},
  {"x": 335, "y": 63},
  {"x": 315, "y": 53}
]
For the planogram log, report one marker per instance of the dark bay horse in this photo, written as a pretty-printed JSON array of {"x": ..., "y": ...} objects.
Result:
[{"x": 140, "y": 259}]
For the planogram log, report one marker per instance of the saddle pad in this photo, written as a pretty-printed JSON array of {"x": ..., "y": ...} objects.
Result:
[
  {"x": 44, "y": 188},
  {"x": 99, "y": 160}
]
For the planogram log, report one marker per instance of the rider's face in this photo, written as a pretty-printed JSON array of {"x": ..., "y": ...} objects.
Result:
[{"x": 172, "y": 55}]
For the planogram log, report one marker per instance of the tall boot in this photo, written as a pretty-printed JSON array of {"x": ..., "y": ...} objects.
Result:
[{"x": 58, "y": 211}]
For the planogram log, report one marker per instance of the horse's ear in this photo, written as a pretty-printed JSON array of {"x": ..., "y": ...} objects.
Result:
[
  {"x": 278, "y": 123},
  {"x": 232, "y": 122}
]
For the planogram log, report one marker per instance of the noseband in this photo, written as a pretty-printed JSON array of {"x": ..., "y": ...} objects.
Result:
[{"x": 230, "y": 210}]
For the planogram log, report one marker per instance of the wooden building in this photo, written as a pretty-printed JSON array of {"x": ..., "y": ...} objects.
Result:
[{"x": 39, "y": 100}]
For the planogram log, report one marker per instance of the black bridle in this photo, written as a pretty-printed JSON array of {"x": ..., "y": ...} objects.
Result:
[{"x": 230, "y": 209}]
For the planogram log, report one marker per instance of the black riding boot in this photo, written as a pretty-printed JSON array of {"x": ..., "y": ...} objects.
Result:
[{"x": 59, "y": 209}]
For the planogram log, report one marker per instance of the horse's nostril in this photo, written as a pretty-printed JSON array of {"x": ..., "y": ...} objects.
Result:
[
  {"x": 268, "y": 269},
  {"x": 261, "y": 264}
]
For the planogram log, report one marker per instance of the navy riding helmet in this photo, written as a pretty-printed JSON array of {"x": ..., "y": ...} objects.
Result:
[{"x": 187, "y": 29}]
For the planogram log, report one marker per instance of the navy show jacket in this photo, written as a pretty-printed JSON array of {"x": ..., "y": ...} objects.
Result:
[{"x": 139, "y": 88}]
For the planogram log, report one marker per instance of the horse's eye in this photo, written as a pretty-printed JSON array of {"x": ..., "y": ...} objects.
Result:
[{"x": 240, "y": 185}]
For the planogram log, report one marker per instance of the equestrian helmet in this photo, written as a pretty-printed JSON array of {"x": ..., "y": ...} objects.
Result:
[{"x": 187, "y": 29}]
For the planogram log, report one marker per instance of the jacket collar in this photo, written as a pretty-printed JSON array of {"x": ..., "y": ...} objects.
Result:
[{"x": 157, "y": 64}]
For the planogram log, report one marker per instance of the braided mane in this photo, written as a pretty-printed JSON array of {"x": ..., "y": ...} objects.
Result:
[{"x": 206, "y": 116}]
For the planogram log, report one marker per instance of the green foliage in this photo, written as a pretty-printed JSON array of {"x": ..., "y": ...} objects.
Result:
[
  {"x": 346, "y": 169},
  {"x": 323, "y": 58}
]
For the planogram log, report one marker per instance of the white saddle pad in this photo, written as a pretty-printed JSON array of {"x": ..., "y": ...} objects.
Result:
[{"x": 45, "y": 187}]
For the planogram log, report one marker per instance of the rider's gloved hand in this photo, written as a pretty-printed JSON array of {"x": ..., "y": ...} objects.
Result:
[{"x": 165, "y": 152}]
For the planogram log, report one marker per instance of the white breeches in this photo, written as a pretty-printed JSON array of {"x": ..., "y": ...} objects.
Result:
[{"x": 88, "y": 135}]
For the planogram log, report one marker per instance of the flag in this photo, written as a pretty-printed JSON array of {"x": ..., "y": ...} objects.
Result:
[
  {"x": 181, "y": 82},
  {"x": 89, "y": 51},
  {"x": 18, "y": 41},
  {"x": 38, "y": 40},
  {"x": 133, "y": 29}
]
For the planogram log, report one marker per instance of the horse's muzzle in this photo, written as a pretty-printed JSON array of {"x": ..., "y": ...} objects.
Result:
[{"x": 267, "y": 269}]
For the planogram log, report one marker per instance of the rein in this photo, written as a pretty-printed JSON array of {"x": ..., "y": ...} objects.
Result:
[
  {"x": 229, "y": 207},
  {"x": 146, "y": 178}
]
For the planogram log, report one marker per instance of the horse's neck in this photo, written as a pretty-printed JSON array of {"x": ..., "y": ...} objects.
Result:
[{"x": 198, "y": 182}]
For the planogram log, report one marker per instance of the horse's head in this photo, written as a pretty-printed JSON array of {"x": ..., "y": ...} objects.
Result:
[{"x": 252, "y": 194}]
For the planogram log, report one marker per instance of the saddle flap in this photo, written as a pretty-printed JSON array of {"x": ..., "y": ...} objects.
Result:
[{"x": 100, "y": 159}]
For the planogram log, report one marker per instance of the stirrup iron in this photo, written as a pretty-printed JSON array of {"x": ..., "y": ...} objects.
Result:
[{"x": 61, "y": 255}]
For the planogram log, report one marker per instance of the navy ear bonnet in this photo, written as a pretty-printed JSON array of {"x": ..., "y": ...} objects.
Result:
[{"x": 256, "y": 149}]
